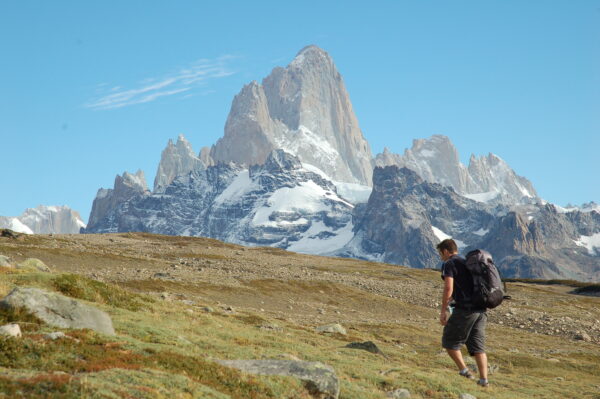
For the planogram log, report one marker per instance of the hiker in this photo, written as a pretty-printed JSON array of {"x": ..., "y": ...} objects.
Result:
[{"x": 463, "y": 322}]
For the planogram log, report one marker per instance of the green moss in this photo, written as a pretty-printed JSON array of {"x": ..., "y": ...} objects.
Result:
[{"x": 95, "y": 291}]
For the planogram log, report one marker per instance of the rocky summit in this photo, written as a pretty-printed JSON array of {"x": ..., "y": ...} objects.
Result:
[{"x": 303, "y": 109}]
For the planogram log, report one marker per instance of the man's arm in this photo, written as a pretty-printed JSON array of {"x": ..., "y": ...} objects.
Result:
[{"x": 446, "y": 295}]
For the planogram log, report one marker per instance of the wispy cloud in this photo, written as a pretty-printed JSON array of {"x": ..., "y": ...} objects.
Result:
[{"x": 184, "y": 80}]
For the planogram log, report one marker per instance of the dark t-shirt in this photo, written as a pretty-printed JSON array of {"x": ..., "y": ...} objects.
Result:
[{"x": 456, "y": 268}]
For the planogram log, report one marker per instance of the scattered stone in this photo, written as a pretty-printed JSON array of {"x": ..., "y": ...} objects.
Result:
[
  {"x": 399, "y": 394},
  {"x": 559, "y": 379},
  {"x": 55, "y": 335},
  {"x": 332, "y": 328},
  {"x": 466, "y": 396},
  {"x": 58, "y": 310},
  {"x": 11, "y": 330},
  {"x": 207, "y": 309},
  {"x": 368, "y": 346},
  {"x": 271, "y": 326},
  {"x": 320, "y": 379},
  {"x": 34, "y": 265},
  {"x": 5, "y": 261},
  {"x": 583, "y": 337},
  {"x": 165, "y": 295},
  {"x": 553, "y": 360},
  {"x": 162, "y": 276},
  {"x": 493, "y": 368}
]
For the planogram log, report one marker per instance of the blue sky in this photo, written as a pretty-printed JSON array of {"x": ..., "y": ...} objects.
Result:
[{"x": 91, "y": 89}]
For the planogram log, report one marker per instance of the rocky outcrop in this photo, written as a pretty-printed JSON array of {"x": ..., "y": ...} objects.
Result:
[
  {"x": 303, "y": 109},
  {"x": 58, "y": 310},
  {"x": 107, "y": 201},
  {"x": 177, "y": 160},
  {"x": 406, "y": 216},
  {"x": 320, "y": 379},
  {"x": 45, "y": 220},
  {"x": 279, "y": 203},
  {"x": 486, "y": 179}
]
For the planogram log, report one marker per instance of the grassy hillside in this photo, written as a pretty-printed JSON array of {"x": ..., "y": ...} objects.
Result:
[{"x": 178, "y": 303}]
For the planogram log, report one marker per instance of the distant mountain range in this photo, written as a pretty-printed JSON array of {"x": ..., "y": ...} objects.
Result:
[
  {"x": 294, "y": 171},
  {"x": 45, "y": 220}
]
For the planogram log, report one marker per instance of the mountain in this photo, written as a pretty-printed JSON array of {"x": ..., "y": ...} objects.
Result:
[
  {"x": 126, "y": 187},
  {"x": 294, "y": 171},
  {"x": 279, "y": 203},
  {"x": 407, "y": 216},
  {"x": 486, "y": 179},
  {"x": 303, "y": 109},
  {"x": 45, "y": 220},
  {"x": 176, "y": 160}
]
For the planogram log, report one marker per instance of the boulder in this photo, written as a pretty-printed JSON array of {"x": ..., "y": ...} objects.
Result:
[
  {"x": 34, "y": 265},
  {"x": 10, "y": 330},
  {"x": 320, "y": 379},
  {"x": 331, "y": 328},
  {"x": 58, "y": 310},
  {"x": 368, "y": 346},
  {"x": 466, "y": 396},
  {"x": 399, "y": 394},
  {"x": 5, "y": 261},
  {"x": 55, "y": 335}
]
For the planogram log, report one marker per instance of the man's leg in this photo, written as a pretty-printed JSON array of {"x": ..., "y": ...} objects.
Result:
[
  {"x": 482, "y": 364},
  {"x": 456, "y": 355}
]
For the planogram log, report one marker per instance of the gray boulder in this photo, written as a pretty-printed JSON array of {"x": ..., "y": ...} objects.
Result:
[
  {"x": 5, "y": 261},
  {"x": 10, "y": 330},
  {"x": 399, "y": 394},
  {"x": 58, "y": 310},
  {"x": 331, "y": 328},
  {"x": 320, "y": 379},
  {"x": 33, "y": 264}
]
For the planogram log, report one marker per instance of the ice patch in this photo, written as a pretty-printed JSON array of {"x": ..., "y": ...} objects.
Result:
[
  {"x": 481, "y": 232},
  {"x": 355, "y": 193},
  {"x": 16, "y": 225},
  {"x": 310, "y": 244},
  {"x": 483, "y": 197},
  {"x": 440, "y": 235},
  {"x": 306, "y": 198},
  {"x": 241, "y": 185},
  {"x": 591, "y": 243}
]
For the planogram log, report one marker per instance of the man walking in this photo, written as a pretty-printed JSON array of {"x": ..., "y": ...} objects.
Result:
[{"x": 466, "y": 323}]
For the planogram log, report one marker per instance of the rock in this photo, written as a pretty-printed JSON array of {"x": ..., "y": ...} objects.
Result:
[
  {"x": 271, "y": 326},
  {"x": 368, "y": 346},
  {"x": 331, "y": 328},
  {"x": 58, "y": 310},
  {"x": 55, "y": 335},
  {"x": 8, "y": 233},
  {"x": 34, "y": 265},
  {"x": 207, "y": 309},
  {"x": 320, "y": 379},
  {"x": 5, "y": 261},
  {"x": 583, "y": 337},
  {"x": 466, "y": 396},
  {"x": 11, "y": 330},
  {"x": 399, "y": 394}
]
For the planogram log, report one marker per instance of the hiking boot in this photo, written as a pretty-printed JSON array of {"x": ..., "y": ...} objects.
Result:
[
  {"x": 467, "y": 374},
  {"x": 483, "y": 383}
]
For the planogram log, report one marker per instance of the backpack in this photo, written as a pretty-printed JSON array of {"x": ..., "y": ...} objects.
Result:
[{"x": 488, "y": 289}]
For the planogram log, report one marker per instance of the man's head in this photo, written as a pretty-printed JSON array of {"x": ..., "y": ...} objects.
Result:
[{"x": 447, "y": 248}]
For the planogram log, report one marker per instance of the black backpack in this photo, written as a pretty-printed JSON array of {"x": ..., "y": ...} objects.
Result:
[{"x": 488, "y": 289}]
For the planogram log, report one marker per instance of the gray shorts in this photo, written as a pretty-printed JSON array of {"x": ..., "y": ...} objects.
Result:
[{"x": 465, "y": 327}]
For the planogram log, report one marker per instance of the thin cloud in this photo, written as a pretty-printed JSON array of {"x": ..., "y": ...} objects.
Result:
[{"x": 185, "y": 80}]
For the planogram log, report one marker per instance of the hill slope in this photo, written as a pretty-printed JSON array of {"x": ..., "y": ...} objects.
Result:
[{"x": 266, "y": 304}]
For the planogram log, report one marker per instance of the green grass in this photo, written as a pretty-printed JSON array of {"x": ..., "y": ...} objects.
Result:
[{"x": 163, "y": 351}]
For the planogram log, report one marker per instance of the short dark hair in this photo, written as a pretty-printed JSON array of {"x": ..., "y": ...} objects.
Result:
[{"x": 447, "y": 244}]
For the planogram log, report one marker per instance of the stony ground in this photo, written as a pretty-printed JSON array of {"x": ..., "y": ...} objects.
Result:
[{"x": 294, "y": 286}]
